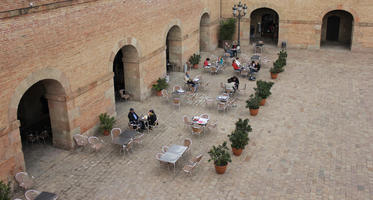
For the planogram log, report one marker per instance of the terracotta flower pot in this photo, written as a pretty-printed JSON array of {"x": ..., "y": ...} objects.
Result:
[
  {"x": 262, "y": 102},
  {"x": 195, "y": 66},
  {"x": 236, "y": 152},
  {"x": 159, "y": 93},
  {"x": 254, "y": 112},
  {"x": 274, "y": 75},
  {"x": 106, "y": 132},
  {"x": 220, "y": 169}
]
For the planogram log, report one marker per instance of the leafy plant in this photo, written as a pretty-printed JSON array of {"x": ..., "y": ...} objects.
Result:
[
  {"x": 161, "y": 84},
  {"x": 4, "y": 191},
  {"x": 227, "y": 29},
  {"x": 253, "y": 102},
  {"x": 263, "y": 88},
  {"x": 282, "y": 56},
  {"x": 277, "y": 67},
  {"x": 106, "y": 122},
  {"x": 220, "y": 155},
  {"x": 195, "y": 59},
  {"x": 240, "y": 136}
]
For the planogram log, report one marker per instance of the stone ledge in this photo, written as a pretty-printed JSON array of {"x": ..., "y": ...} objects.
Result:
[{"x": 40, "y": 8}]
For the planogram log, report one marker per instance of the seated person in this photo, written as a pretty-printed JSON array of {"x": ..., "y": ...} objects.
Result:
[
  {"x": 220, "y": 61},
  {"x": 236, "y": 64},
  {"x": 207, "y": 63},
  {"x": 234, "y": 49},
  {"x": 257, "y": 65},
  {"x": 234, "y": 80},
  {"x": 253, "y": 67},
  {"x": 133, "y": 118},
  {"x": 190, "y": 82},
  {"x": 227, "y": 49},
  {"x": 152, "y": 118}
]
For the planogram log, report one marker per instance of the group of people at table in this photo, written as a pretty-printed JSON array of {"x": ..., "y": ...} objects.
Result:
[
  {"x": 143, "y": 122},
  {"x": 254, "y": 66}
]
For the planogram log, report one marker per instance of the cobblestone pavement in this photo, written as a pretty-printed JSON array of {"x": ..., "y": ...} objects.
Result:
[{"x": 312, "y": 140}]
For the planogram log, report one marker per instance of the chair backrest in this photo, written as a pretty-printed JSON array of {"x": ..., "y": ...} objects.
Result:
[
  {"x": 187, "y": 142},
  {"x": 186, "y": 119},
  {"x": 129, "y": 144},
  {"x": 196, "y": 129},
  {"x": 197, "y": 159},
  {"x": 115, "y": 132},
  {"x": 93, "y": 140},
  {"x": 164, "y": 93},
  {"x": 214, "y": 69},
  {"x": 205, "y": 116},
  {"x": 164, "y": 149},
  {"x": 22, "y": 177},
  {"x": 31, "y": 194},
  {"x": 176, "y": 100},
  {"x": 80, "y": 140},
  {"x": 221, "y": 106},
  {"x": 158, "y": 156}
]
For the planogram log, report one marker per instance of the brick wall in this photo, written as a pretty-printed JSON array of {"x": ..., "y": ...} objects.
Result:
[
  {"x": 301, "y": 21},
  {"x": 75, "y": 45}
]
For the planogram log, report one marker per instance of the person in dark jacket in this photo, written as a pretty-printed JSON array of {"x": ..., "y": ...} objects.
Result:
[
  {"x": 152, "y": 118},
  {"x": 133, "y": 118}
]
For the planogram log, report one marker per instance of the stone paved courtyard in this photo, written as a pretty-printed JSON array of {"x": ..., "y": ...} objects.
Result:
[{"x": 312, "y": 140}]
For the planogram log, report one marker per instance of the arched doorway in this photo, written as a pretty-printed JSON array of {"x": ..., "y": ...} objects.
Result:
[
  {"x": 174, "y": 49},
  {"x": 204, "y": 38},
  {"x": 42, "y": 112},
  {"x": 264, "y": 25},
  {"x": 336, "y": 29},
  {"x": 126, "y": 72}
]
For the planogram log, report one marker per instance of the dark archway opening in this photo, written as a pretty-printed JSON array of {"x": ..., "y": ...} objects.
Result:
[
  {"x": 264, "y": 26},
  {"x": 118, "y": 70},
  {"x": 174, "y": 49},
  {"x": 33, "y": 114},
  {"x": 204, "y": 39},
  {"x": 336, "y": 29},
  {"x": 126, "y": 73},
  {"x": 42, "y": 112}
]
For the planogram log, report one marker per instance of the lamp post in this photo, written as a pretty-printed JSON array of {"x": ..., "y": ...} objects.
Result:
[{"x": 239, "y": 11}]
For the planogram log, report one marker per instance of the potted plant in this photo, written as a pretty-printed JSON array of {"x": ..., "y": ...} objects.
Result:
[
  {"x": 194, "y": 60},
  {"x": 282, "y": 56},
  {"x": 240, "y": 136},
  {"x": 253, "y": 104},
  {"x": 221, "y": 157},
  {"x": 160, "y": 85},
  {"x": 4, "y": 191},
  {"x": 227, "y": 29},
  {"x": 276, "y": 69},
  {"x": 263, "y": 90},
  {"x": 106, "y": 123}
]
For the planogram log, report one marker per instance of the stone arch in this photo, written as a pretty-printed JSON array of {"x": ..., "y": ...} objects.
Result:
[
  {"x": 175, "y": 22},
  {"x": 126, "y": 68},
  {"x": 204, "y": 32},
  {"x": 256, "y": 29},
  {"x": 119, "y": 45},
  {"x": 326, "y": 10},
  {"x": 337, "y": 27},
  {"x": 271, "y": 6},
  {"x": 173, "y": 40},
  {"x": 45, "y": 73}
]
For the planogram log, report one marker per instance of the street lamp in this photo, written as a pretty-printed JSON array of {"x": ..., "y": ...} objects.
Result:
[{"x": 239, "y": 11}]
